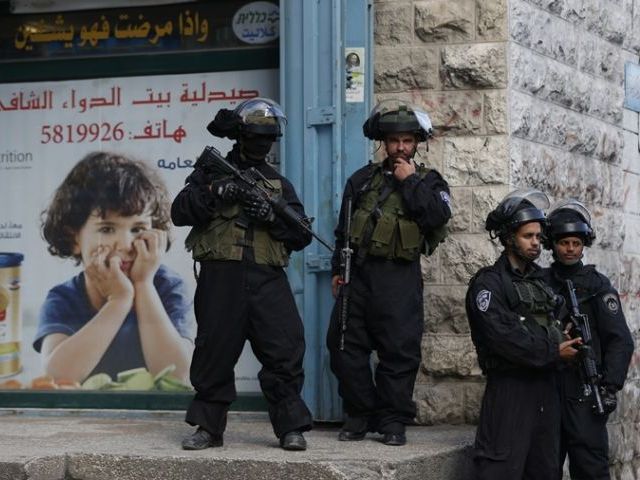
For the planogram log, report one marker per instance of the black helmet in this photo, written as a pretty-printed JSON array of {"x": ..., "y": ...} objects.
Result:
[
  {"x": 568, "y": 218},
  {"x": 396, "y": 116},
  {"x": 260, "y": 116},
  {"x": 517, "y": 208}
]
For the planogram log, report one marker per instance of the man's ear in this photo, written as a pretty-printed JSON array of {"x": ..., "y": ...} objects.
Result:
[{"x": 510, "y": 239}]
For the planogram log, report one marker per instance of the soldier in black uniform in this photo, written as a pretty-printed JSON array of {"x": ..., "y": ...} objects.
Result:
[
  {"x": 519, "y": 344},
  {"x": 584, "y": 432},
  {"x": 243, "y": 292},
  {"x": 395, "y": 204}
]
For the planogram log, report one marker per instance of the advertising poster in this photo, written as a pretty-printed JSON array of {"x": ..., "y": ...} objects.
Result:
[{"x": 71, "y": 146}]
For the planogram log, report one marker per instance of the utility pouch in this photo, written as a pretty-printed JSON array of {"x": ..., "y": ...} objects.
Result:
[
  {"x": 410, "y": 242},
  {"x": 358, "y": 223},
  {"x": 382, "y": 235}
]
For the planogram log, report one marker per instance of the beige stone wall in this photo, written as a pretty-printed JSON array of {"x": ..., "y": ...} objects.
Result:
[
  {"x": 571, "y": 136},
  {"x": 451, "y": 58},
  {"x": 521, "y": 93}
]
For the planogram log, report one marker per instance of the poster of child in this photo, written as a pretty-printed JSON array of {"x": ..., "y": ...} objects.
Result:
[
  {"x": 67, "y": 325},
  {"x": 125, "y": 311}
]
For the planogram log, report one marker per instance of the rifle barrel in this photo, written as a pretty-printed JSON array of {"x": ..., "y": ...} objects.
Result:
[{"x": 346, "y": 274}]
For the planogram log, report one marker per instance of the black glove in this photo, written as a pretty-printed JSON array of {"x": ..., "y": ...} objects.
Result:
[
  {"x": 258, "y": 209},
  {"x": 609, "y": 400},
  {"x": 228, "y": 191},
  {"x": 199, "y": 177}
]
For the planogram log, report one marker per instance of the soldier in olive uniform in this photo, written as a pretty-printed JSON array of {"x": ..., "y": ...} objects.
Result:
[
  {"x": 395, "y": 204},
  {"x": 519, "y": 344},
  {"x": 243, "y": 292},
  {"x": 584, "y": 431}
]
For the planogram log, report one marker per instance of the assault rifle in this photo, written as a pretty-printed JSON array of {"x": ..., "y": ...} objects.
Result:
[
  {"x": 345, "y": 273},
  {"x": 214, "y": 162},
  {"x": 587, "y": 357}
]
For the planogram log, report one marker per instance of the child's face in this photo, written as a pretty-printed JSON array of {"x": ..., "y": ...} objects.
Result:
[{"x": 113, "y": 232}]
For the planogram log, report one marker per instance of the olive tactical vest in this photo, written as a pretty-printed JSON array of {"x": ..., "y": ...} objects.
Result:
[
  {"x": 225, "y": 237},
  {"x": 395, "y": 235}
]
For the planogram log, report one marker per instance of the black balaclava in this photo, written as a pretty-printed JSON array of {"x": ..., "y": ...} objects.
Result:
[{"x": 256, "y": 147}]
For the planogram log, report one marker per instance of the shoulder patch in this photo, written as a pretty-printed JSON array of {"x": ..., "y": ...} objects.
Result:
[
  {"x": 483, "y": 300},
  {"x": 445, "y": 198},
  {"x": 611, "y": 302}
]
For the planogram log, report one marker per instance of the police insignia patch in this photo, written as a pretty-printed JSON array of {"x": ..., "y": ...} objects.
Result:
[
  {"x": 483, "y": 300},
  {"x": 611, "y": 302},
  {"x": 446, "y": 198}
]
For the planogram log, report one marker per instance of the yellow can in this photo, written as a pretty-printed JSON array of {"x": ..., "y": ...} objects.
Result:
[{"x": 10, "y": 314}]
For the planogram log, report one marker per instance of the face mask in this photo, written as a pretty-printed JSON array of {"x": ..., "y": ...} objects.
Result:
[{"x": 256, "y": 147}]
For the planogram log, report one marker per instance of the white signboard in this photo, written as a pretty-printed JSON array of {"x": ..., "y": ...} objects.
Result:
[{"x": 47, "y": 128}]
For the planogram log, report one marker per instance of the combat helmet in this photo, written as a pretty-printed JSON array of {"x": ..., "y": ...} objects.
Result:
[
  {"x": 396, "y": 116},
  {"x": 260, "y": 116},
  {"x": 517, "y": 208},
  {"x": 568, "y": 218}
]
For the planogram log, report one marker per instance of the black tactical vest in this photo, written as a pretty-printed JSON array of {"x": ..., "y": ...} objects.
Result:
[{"x": 536, "y": 298}]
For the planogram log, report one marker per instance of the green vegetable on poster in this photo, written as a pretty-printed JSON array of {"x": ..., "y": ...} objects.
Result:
[{"x": 137, "y": 379}]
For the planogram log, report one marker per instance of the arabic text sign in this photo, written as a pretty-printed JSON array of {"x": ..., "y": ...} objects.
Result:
[
  {"x": 134, "y": 30},
  {"x": 84, "y": 101}
]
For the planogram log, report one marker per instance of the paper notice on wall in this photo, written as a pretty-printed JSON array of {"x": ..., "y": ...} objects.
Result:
[{"x": 354, "y": 67}]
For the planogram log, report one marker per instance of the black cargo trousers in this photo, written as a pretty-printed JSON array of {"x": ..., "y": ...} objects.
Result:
[
  {"x": 239, "y": 301},
  {"x": 385, "y": 315}
]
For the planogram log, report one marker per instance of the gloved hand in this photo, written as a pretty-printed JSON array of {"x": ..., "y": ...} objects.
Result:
[
  {"x": 228, "y": 191},
  {"x": 199, "y": 177},
  {"x": 609, "y": 400},
  {"x": 258, "y": 209}
]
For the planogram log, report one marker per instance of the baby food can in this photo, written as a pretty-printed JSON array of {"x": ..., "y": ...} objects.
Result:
[{"x": 10, "y": 317}]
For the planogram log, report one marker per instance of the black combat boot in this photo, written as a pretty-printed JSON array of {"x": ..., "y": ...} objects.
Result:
[
  {"x": 394, "y": 439},
  {"x": 354, "y": 429},
  {"x": 293, "y": 441},
  {"x": 201, "y": 439}
]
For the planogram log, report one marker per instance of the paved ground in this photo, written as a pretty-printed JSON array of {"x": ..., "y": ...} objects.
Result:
[{"x": 122, "y": 445}]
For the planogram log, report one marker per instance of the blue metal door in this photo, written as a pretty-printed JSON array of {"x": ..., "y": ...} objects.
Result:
[{"x": 325, "y": 88}]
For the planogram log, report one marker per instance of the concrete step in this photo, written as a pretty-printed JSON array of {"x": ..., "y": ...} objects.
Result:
[{"x": 134, "y": 445}]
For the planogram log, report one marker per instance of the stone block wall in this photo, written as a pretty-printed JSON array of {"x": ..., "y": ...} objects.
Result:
[
  {"x": 521, "y": 93},
  {"x": 569, "y": 135},
  {"x": 452, "y": 59}
]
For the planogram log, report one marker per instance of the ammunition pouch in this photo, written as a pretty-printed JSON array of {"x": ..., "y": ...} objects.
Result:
[
  {"x": 536, "y": 298},
  {"x": 394, "y": 235}
]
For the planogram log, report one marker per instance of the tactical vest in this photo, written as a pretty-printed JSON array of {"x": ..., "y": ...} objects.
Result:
[
  {"x": 225, "y": 237},
  {"x": 395, "y": 235},
  {"x": 539, "y": 301}
]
